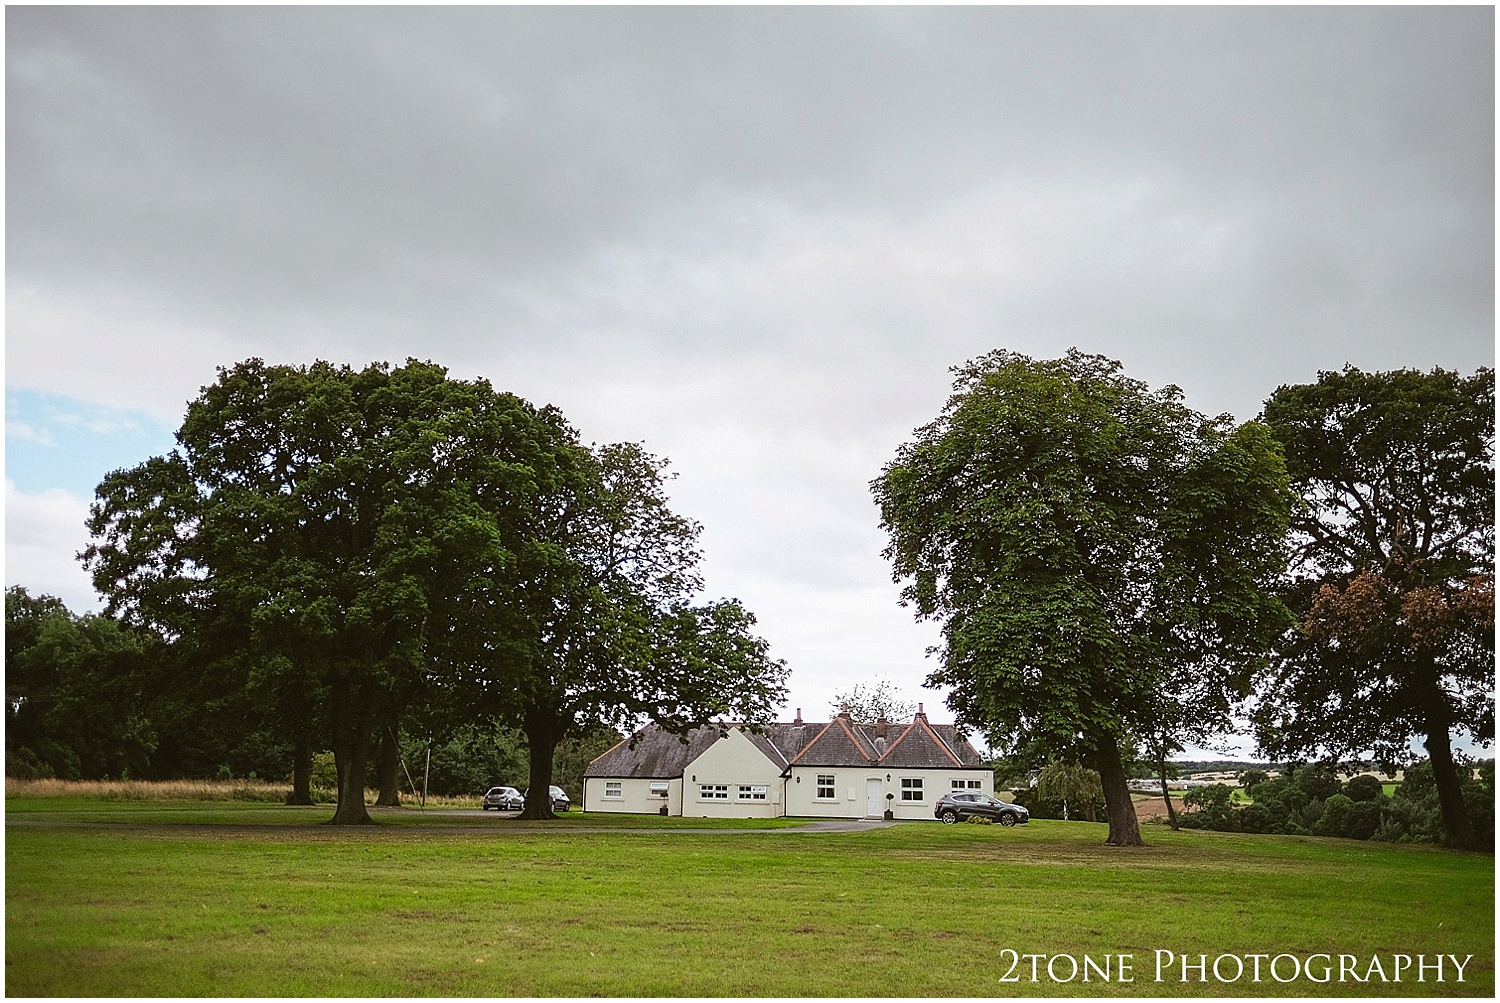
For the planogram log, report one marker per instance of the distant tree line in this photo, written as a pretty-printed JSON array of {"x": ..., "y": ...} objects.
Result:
[{"x": 1310, "y": 801}]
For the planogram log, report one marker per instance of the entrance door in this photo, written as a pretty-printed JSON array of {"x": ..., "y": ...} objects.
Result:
[{"x": 874, "y": 797}]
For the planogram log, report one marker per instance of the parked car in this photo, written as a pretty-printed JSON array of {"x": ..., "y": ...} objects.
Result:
[
  {"x": 502, "y": 799},
  {"x": 560, "y": 799},
  {"x": 959, "y": 805}
]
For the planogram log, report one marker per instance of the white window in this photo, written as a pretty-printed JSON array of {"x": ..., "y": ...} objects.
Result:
[
  {"x": 752, "y": 792},
  {"x": 713, "y": 792},
  {"x": 825, "y": 787},
  {"x": 911, "y": 788},
  {"x": 612, "y": 790},
  {"x": 659, "y": 788},
  {"x": 967, "y": 785}
]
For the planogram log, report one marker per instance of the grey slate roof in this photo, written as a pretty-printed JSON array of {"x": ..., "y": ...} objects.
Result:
[
  {"x": 840, "y": 742},
  {"x": 657, "y": 754}
]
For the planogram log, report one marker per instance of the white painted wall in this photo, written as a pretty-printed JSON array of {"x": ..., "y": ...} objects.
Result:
[
  {"x": 635, "y": 795},
  {"x": 734, "y": 762},
  {"x": 850, "y": 789}
]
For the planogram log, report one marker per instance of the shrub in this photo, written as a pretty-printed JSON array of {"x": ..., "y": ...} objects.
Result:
[
  {"x": 1334, "y": 820},
  {"x": 1209, "y": 808},
  {"x": 1364, "y": 788},
  {"x": 1317, "y": 782}
]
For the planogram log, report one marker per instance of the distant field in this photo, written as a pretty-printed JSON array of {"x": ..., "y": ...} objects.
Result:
[{"x": 111, "y": 898}]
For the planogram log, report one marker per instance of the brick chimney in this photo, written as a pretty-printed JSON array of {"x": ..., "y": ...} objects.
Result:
[
  {"x": 920, "y": 715},
  {"x": 881, "y": 727},
  {"x": 798, "y": 718}
]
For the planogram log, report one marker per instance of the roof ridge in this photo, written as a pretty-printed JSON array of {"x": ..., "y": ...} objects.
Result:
[
  {"x": 892, "y": 747},
  {"x": 858, "y": 740},
  {"x": 815, "y": 739},
  {"x": 941, "y": 744},
  {"x": 921, "y": 719},
  {"x": 952, "y": 753}
]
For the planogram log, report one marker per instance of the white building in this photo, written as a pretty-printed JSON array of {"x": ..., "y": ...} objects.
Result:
[{"x": 835, "y": 770}]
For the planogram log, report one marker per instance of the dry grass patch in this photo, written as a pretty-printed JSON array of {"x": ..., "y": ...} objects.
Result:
[
  {"x": 260, "y": 791},
  {"x": 149, "y": 790}
]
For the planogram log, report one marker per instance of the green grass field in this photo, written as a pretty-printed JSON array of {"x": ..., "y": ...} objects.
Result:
[{"x": 111, "y": 898}]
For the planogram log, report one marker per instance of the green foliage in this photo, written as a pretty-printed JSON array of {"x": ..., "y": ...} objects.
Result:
[
  {"x": 1100, "y": 556},
  {"x": 310, "y": 527},
  {"x": 1215, "y": 799},
  {"x": 1394, "y": 584},
  {"x": 353, "y": 546},
  {"x": 603, "y": 621},
  {"x": 1317, "y": 780},
  {"x": 1363, "y": 787},
  {"x": 325, "y": 773},
  {"x": 91, "y": 698},
  {"x": 1073, "y": 785},
  {"x": 1309, "y": 801},
  {"x": 1249, "y": 778}
]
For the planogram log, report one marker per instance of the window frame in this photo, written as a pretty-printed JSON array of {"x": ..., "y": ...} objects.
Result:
[
  {"x": 713, "y": 792},
  {"x": 752, "y": 793},
  {"x": 831, "y": 786},
  {"x": 913, "y": 790}
]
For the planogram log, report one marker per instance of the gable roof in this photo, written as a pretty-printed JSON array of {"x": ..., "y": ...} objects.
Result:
[
  {"x": 840, "y": 742},
  {"x": 656, "y": 753}
]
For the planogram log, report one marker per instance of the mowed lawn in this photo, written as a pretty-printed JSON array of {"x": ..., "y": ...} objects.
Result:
[{"x": 244, "y": 900}]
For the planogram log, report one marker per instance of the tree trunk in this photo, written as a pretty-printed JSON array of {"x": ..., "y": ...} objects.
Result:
[
  {"x": 351, "y": 753},
  {"x": 1124, "y": 827},
  {"x": 1166, "y": 795},
  {"x": 301, "y": 767},
  {"x": 388, "y": 770},
  {"x": 541, "y": 739},
  {"x": 1460, "y": 831}
]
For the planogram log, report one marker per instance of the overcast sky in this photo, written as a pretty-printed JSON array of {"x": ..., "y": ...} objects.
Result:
[{"x": 754, "y": 239}]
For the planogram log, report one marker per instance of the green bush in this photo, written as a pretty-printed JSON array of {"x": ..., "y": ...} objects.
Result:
[
  {"x": 1364, "y": 787},
  {"x": 325, "y": 773},
  {"x": 1334, "y": 820}
]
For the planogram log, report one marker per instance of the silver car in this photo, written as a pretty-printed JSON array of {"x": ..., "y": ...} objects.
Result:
[{"x": 502, "y": 799}]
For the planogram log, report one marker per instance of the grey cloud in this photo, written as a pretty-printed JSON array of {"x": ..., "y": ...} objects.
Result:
[
  {"x": 421, "y": 172},
  {"x": 755, "y": 238}
]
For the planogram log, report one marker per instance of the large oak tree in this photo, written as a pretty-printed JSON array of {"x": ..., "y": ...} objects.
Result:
[
  {"x": 1393, "y": 572},
  {"x": 359, "y": 545},
  {"x": 311, "y": 520},
  {"x": 599, "y": 626},
  {"x": 1100, "y": 556}
]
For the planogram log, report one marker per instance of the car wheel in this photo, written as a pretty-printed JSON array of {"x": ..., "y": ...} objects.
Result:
[
  {"x": 950, "y": 816},
  {"x": 1007, "y": 819}
]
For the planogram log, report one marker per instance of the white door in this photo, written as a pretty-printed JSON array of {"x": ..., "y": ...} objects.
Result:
[{"x": 874, "y": 797}]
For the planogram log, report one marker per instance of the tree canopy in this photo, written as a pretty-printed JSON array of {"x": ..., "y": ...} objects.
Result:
[
  {"x": 1392, "y": 574},
  {"x": 1101, "y": 557},
  {"x": 311, "y": 519},
  {"x": 357, "y": 545},
  {"x": 605, "y": 616}
]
